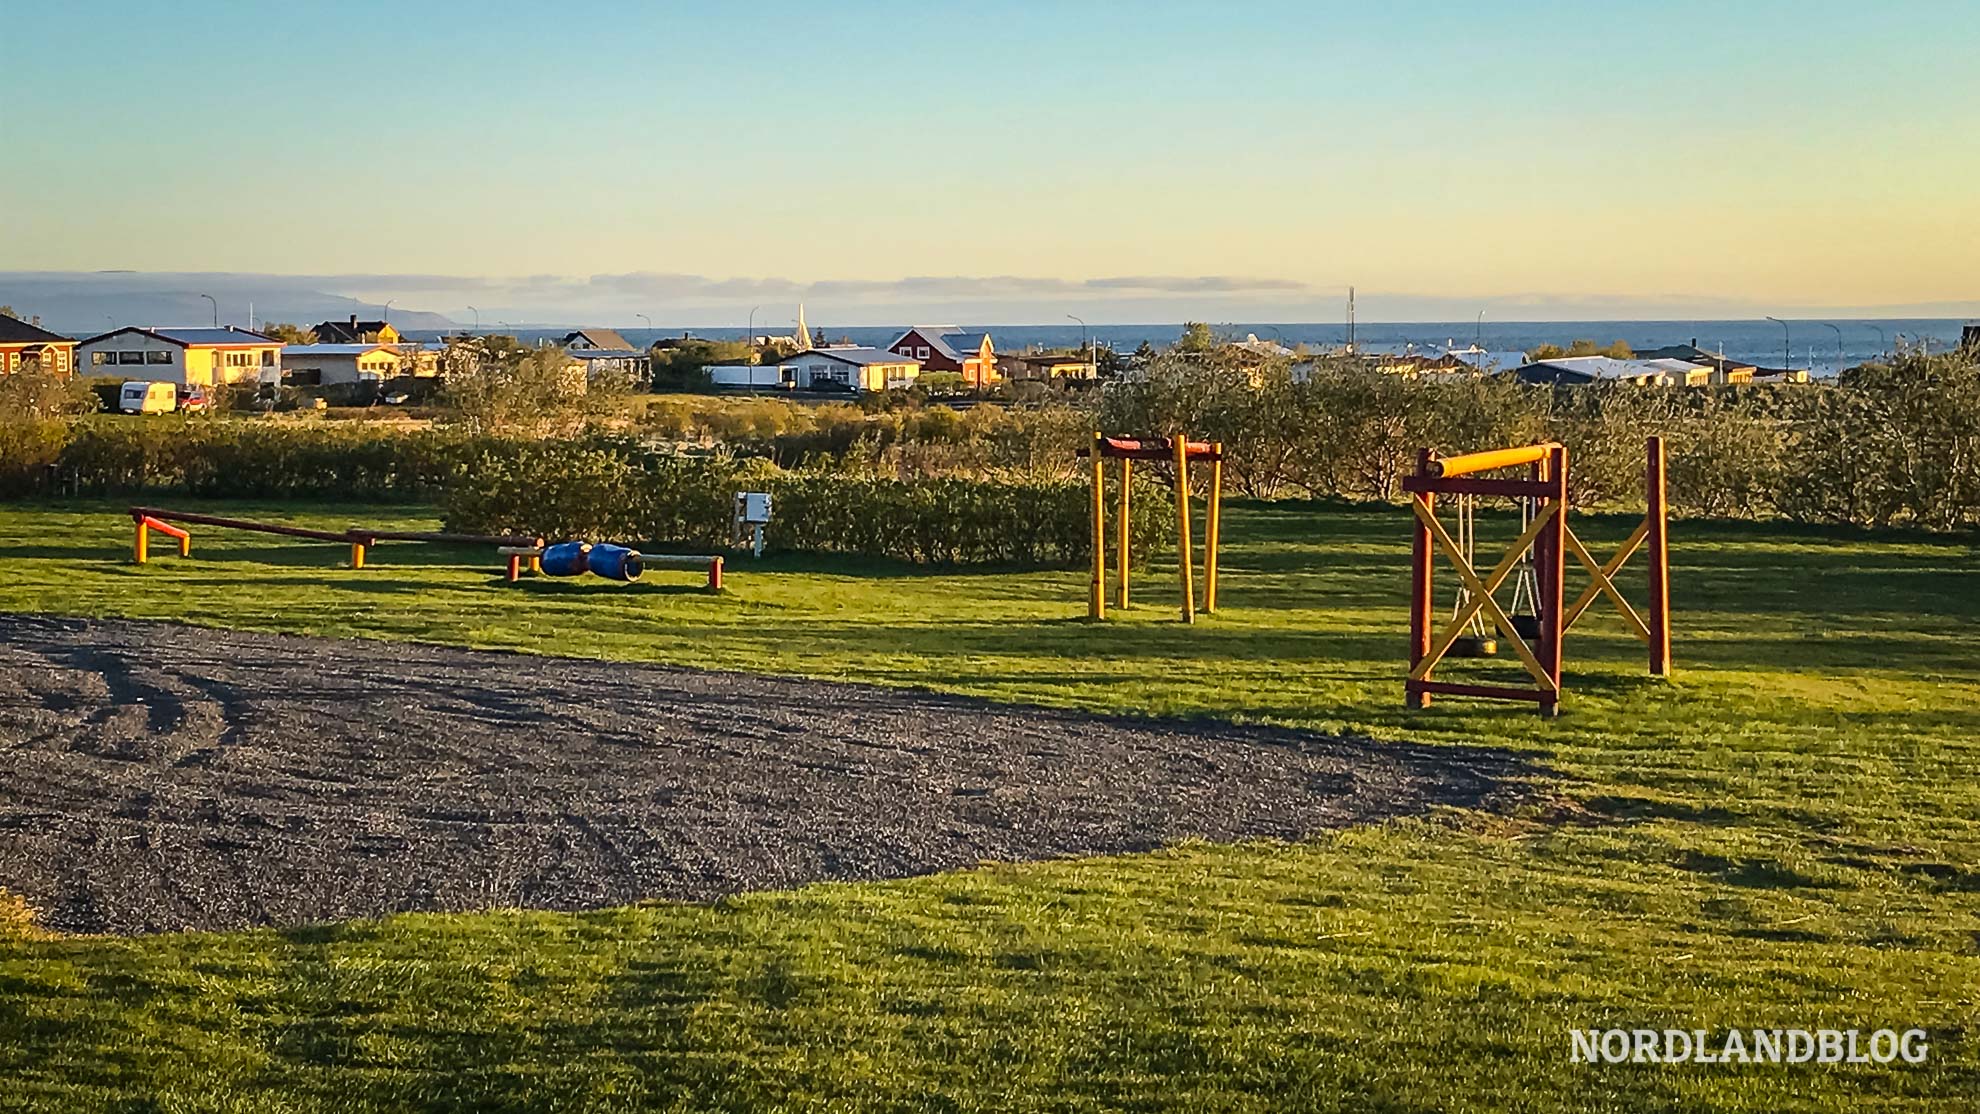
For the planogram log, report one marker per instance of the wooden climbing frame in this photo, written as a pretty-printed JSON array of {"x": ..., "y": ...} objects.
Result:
[
  {"x": 1550, "y": 539},
  {"x": 1181, "y": 452}
]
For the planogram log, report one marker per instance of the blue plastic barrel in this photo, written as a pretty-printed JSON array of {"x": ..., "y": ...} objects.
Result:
[
  {"x": 615, "y": 562},
  {"x": 564, "y": 559}
]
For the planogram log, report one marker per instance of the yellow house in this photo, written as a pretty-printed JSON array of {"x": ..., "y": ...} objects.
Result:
[{"x": 195, "y": 357}]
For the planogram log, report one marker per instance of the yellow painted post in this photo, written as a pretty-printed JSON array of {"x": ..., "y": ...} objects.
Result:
[
  {"x": 1213, "y": 527},
  {"x": 1096, "y": 598},
  {"x": 1127, "y": 477},
  {"x": 141, "y": 545},
  {"x": 1183, "y": 558},
  {"x": 185, "y": 544},
  {"x": 357, "y": 555}
]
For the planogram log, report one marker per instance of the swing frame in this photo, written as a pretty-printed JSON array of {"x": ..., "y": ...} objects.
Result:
[
  {"x": 1551, "y": 539},
  {"x": 1181, "y": 452}
]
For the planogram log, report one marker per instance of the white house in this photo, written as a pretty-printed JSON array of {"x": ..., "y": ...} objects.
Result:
[
  {"x": 197, "y": 357},
  {"x": 849, "y": 369},
  {"x": 751, "y": 375},
  {"x": 327, "y": 364}
]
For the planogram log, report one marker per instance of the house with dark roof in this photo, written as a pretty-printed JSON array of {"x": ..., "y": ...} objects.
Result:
[
  {"x": 950, "y": 348},
  {"x": 353, "y": 331},
  {"x": 198, "y": 357},
  {"x": 1581, "y": 370},
  {"x": 848, "y": 369},
  {"x": 26, "y": 344},
  {"x": 1724, "y": 370},
  {"x": 596, "y": 340}
]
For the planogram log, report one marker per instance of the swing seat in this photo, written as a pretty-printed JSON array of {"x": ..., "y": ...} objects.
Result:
[
  {"x": 1474, "y": 646},
  {"x": 1527, "y": 627}
]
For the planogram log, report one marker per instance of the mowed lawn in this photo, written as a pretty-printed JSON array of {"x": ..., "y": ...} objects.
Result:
[{"x": 1785, "y": 835}]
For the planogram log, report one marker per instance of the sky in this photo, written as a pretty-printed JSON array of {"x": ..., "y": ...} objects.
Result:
[{"x": 1012, "y": 161}]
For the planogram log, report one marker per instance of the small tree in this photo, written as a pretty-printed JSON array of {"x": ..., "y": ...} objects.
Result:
[{"x": 288, "y": 334}]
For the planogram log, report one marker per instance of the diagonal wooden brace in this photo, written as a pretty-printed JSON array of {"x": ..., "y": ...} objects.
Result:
[{"x": 1604, "y": 582}]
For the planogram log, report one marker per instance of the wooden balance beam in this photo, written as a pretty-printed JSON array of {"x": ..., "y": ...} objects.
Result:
[
  {"x": 359, "y": 538},
  {"x": 517, "y": 554}
]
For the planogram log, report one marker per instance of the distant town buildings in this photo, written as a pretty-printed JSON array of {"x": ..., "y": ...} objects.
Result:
[
  {"x": 198, "y": 357},
  {"x": 26, "y": 344},
  {"x": 1047, "y": 366},
  {"x": 353, "y": 331},
  {"x": 312, "y": 365}
]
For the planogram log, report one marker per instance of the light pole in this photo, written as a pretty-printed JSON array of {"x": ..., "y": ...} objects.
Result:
[
  {"x": 477, "y": 320},
  {"x": 648, "y": 320},
  {"x": 1883, "y": 342},
  {"x": 216, "y": 309},
  {"x": 1839, "y": 346},
  {"x": 1479, "y": 335},
  {"x": 386, "y": 312},
  {"x": 1787, "y": 350},
  {"x": 749, "y": 334},
  {"x": 1086, "y": 343}
]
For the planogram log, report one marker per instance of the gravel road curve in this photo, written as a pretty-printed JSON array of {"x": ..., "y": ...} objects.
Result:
[{"x": 157, "y": 777}]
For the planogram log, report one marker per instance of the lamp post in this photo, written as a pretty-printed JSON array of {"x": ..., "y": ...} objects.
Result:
[
  {"x": 1086, "y": 344},
  {"x": 386, "y": 312},
  {"x": 1478, "y": 336},
  {"x": 1883, "y": 342},
  {"x": 1839, "y": 346},
  {"x": 648, "y": 320},
  {"x": 749, "y": 334},
  {"x": 477, "y": 320},
  {"x": 1787, "y": 349},
  {"x": 216, "y": 309}
]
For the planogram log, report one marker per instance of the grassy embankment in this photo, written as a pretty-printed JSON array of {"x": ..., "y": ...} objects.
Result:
[{"x": 1783, "y": 836}]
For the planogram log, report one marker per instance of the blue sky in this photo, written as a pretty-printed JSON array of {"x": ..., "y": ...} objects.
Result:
[{"x": 1244, "y": 158}]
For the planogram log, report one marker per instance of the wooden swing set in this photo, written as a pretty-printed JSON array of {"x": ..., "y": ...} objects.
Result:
[
  {"x": 1180, "y": 451},
  {"x": 1538, "y": 556}
]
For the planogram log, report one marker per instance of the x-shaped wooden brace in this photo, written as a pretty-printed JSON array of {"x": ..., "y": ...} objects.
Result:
[
  {"x": 1604, "y": 581},
  {"x": 1481, "y": 592}
]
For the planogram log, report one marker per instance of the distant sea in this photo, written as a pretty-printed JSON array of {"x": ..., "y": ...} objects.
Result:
[{"x": 1809, "y": 344}]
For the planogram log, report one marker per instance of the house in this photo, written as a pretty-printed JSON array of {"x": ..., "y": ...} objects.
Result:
[
  {"x": 26, "y": 343},
  {"x": 849, "y": 369},
  {"x": 1578, "y": 370},
  {"x": 628, "y": 363},
  {"x": 949, "y": 348},
  {"x": 751, "y": 375},
  {"x": 596, "y": 340},
  {"x": 309, "y": 365},
  {"x": 1724, "y": 370},
  {"x": 198, "y": 357},
  {"x": 354, "y": 331},
  {"x": 1048, "y": 365}
]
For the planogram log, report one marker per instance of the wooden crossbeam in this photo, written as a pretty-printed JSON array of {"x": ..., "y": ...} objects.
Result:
[
  {"x": 1477, "y": 588},
  {"x": 1503, "y": 569},
  {"x": 1604, "y": 580}
]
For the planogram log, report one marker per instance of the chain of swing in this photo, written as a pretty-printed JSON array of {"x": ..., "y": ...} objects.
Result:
[{"x": 1478, "y": 641}]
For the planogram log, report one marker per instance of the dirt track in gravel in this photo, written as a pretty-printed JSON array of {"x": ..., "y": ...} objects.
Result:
[{"x": 162, "y": 777}]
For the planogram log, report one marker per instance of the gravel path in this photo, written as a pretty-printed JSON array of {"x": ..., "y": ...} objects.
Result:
[{"x": 163, "y": 777}]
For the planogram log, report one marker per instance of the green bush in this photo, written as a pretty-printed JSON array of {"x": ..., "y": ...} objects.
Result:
[{"x": 618, "y": 491}]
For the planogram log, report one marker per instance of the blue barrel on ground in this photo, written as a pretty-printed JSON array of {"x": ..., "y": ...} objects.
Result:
[
  {"x": 615, "y": 562},
  {"x": 564, "y": 559}
]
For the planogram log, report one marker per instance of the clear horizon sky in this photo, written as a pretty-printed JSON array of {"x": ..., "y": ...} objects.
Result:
[{"x": 1529, "y": 157}]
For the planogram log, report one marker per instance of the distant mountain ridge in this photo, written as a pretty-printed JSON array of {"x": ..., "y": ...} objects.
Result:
[{"x": 84, "y": 305}]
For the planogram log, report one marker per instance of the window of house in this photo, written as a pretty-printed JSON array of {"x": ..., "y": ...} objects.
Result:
[
  {"x": 98, "y": 359},
  {"x": 268, "y": 357},
  {"x": 921, "y": 352},
  {"x": 125, "y": 359},
  {"x": 157, "y": 357}
]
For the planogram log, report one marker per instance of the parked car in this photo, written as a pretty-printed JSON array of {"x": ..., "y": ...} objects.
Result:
[
  {"x": 144, "y": 397},
  {"x": 194, "y": 400}
]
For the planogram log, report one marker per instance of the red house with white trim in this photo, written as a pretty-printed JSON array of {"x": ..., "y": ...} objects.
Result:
[{"x": 949, "y": 348}]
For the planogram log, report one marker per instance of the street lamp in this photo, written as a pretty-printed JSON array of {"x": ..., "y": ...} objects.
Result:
[
  {"x": 1086, "y": 343},
  {"x": 648, "y": 320},
  {"x": 1479, "y": 335},
  {"x": 386, "y": 312},
  {"x": 1839, "y": 346},
  {"x": 1787, "y": 350},
  {"x": 477, "y": 320},
  {"x": 216, "y": 309},
  {"x": 1883, "y": 342},
  {"x": 749, "y": 334}
]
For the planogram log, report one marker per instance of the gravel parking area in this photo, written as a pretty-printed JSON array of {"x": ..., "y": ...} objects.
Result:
[{"x": 163, "y": 777}]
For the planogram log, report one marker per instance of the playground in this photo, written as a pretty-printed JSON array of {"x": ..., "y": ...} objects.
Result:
[{"x": 1780, "y": 833}]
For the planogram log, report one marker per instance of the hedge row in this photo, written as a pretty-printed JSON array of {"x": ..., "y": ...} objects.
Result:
[{"x": 607, "y": 490}]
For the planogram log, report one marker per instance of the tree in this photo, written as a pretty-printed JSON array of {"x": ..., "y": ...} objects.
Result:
[
  {"x": 1619, "y": 350},
  {"x": 8, "y": 311},
  {"x": 1196, "y": 337},
  {"x": 683, "y": 365},
  {"x": 288, "y": 334},
  {"x": 506, "y": 388}
]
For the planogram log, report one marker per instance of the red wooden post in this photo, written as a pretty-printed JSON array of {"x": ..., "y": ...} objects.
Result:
[
  {"x": 1552, "y": 562},
  {"x": 515, "y": 567},
  {"x": 1659, "y": 544},
  {"x": 715, "y": 574},
  {"x": 1421, "y": 569}
]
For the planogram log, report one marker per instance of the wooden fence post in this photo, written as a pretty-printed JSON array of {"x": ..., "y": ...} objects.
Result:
[
  {"x": 1659, "y": 619},
  {"x": 1124, "y": 530},
  {"x": 1096, "y": 597},
  {"x": 1421, "y": 570},
  {"x": 1213, "y": 528}
]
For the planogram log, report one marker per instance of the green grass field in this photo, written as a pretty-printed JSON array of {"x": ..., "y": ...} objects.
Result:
[{"x": 1786, "y": 835}]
